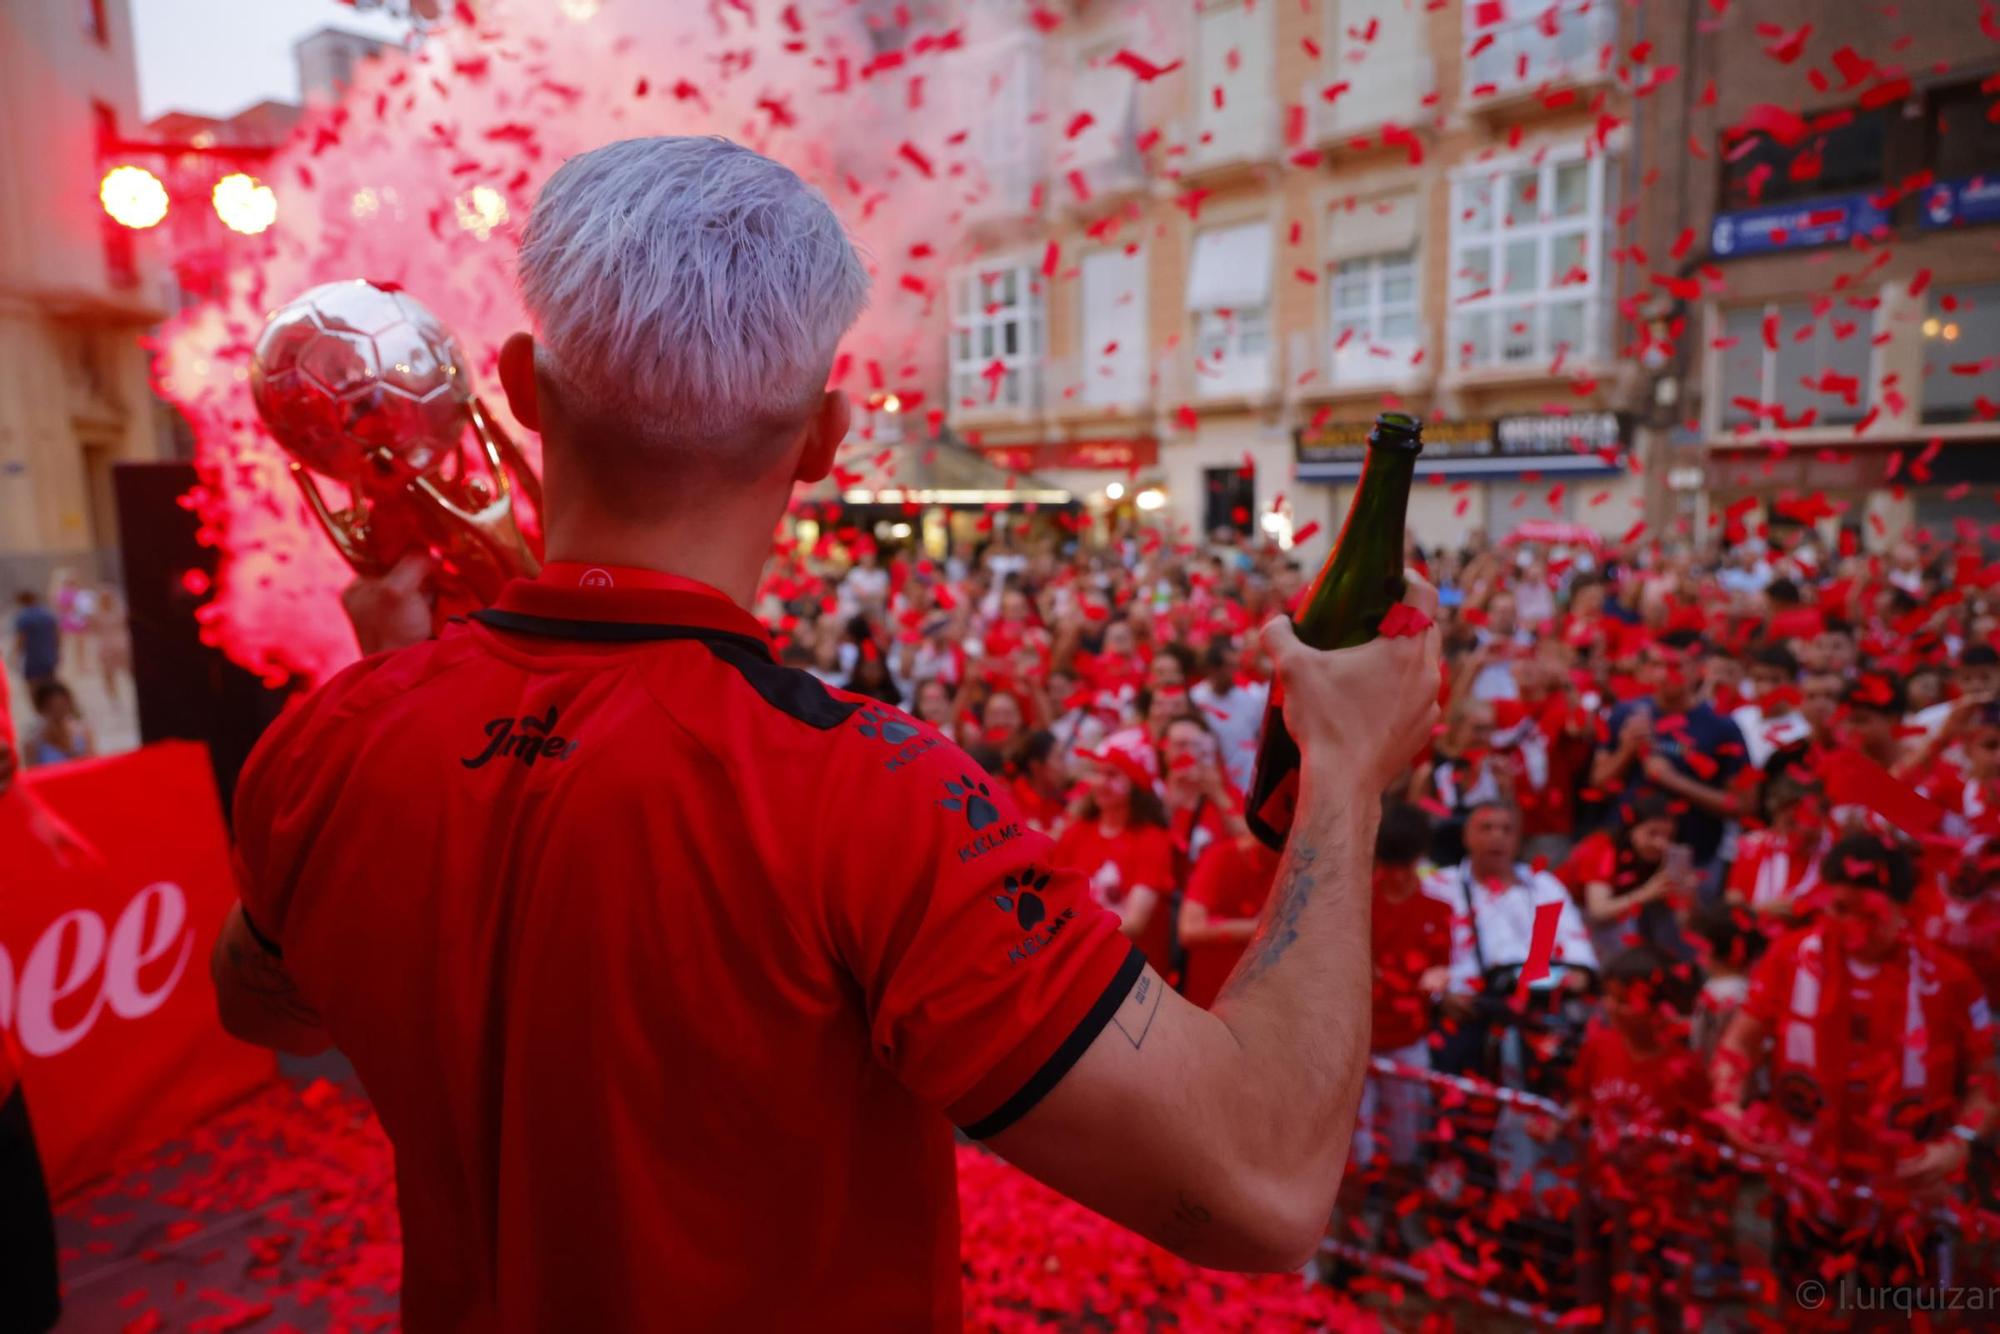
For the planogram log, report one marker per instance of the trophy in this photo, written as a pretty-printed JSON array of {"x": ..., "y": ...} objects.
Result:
[{"x": 361, "y": 385}]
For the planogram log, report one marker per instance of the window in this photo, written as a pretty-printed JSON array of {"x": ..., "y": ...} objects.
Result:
[
  {"x": 1528, "y": 259},
  {"x": 1372, "y": 288},
  {"x": 1961, "y": 351},
  {"x": 1840, "y": 153},
  {"x": 1229, "y": 499},
  {"x": 996, "y": 339},
  {"x": 999, "y": 94},
  {"x": 1377, "y": 48},
  {"x": 1235, "y": 112},
  {"x": 1967, "y": 133},
  {"x": 1374, "y": 317},
  {"x": 1105, "y": 149},
  {"x": 1519, "y": 44},
  {"x": 1113, "y": 299},
  {"x": 1229, "y": 295},
  {"x": 1813, "y": 368}
]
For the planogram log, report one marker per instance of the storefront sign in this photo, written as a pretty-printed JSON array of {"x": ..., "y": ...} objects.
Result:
[
  {"x": 1831, "y": 221},
  {"x": 1975, "y": 199},
  {"x": 1121, "y": 455},
  {"x": 1502, "y": 446}
]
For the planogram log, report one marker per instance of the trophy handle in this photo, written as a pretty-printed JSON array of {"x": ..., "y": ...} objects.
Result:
[
  {"x": 505, "y": 455},
  {"x": 344, "y": 528}
]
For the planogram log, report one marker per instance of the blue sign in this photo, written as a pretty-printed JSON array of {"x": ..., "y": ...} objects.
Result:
[
  {"x": 1958, "y": 203},
  {"x": 1831, "y": 221}
]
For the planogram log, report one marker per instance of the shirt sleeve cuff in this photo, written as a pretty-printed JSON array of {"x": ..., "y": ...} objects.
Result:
[{"x": 1050, "y": 1070}]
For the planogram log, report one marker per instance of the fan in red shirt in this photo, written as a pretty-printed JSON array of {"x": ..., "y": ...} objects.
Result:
[
  {"x": 1635, "y": 1072},
  {"x": 1203, "y": 808},
  {"x": 1410, "y": 944},
  {"x": 1225, "y": 899},
  {"x": 1880, "y": 1042},
  {"x": 1119, "y": 842},
  {"x": 1039, "y": 778},
  {"x": 1776, "y": 871}
]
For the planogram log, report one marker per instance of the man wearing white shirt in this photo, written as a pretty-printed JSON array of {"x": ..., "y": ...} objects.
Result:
[
  {"x": 1235, "y": 712},
  {"x": 1493, "y": 900}
]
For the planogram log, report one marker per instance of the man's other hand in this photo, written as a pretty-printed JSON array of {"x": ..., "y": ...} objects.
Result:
[
  {"x": 1362, "y": 712},
  {"x": 395, "y": 610}
]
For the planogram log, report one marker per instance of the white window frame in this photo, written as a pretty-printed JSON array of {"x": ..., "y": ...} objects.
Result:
[
  {"x": 1409, "y": 76},
  {"x": 1497, "y": 71},
  {"x": 1108, "y": 149},
  {"x": 1225, "y": 362},
  {"x": 1501, "y": 309},
  {"x": 1226, "y": 366},
  {"x": 1985, "y": 299},
  {"x": 972, "y": 315},
  {"x": 1000, "y": 93},
  {"x": 1768, "y": 387},
  {"x": 1246, "y": 127},
  {"x": 1130, "y": 382},
  {"x": 1370, "y": 356}
]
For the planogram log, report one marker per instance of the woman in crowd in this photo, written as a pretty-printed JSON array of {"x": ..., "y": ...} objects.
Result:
[
  {"x": 1118, "y": 839},
  {"x": 1632, "y": 883}
]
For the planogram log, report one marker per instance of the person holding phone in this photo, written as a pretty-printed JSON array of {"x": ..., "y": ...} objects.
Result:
[
  {"x": 1631, "y": 879},
  {"x": 1672, "y": 743}
]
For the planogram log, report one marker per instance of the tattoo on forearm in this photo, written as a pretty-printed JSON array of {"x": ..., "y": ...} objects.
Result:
[
  {"x": 1296, "y": 881},
  {"x": 1135, "y": 1017},
  {"x": 1185, "y": 1223},
  {"x": 265, "y": 978}
]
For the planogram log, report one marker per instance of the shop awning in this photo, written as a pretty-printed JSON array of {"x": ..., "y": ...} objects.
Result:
[{"x": 930, "y": 472}]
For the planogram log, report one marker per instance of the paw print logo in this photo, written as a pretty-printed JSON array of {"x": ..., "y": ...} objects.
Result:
[
  {"x": 972, "y": 798},
  {"x": 1022, "y": 895},
  {"x": 877, "y": 725}
]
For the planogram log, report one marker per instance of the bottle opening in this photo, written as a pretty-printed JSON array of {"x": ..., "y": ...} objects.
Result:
[{"x": 1398, "y": 430}]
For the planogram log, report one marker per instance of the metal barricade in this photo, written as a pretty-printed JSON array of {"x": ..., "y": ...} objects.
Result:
[{"x": 1489, "y": 1197}]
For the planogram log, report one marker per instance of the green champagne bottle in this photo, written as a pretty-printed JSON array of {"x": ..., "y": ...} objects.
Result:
[{"x": 1360, "y": 581}]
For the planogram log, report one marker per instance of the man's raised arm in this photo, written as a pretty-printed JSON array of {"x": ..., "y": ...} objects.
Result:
[{"x": 1222, "y": 1134}]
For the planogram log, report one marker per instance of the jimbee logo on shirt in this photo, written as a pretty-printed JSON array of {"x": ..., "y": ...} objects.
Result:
[{"x": 526, "y": 739}]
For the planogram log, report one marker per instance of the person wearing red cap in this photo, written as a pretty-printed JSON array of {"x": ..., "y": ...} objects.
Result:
[
  {"x": 669, "y": 969},
  {"x": 1119, "y": 842},
  {"x": 1880, "y": 1051}
]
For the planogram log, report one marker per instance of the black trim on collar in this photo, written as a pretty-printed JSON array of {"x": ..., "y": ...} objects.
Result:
[
  {"x": 795, "y": 693},
  {"x": 1065, "y": 1056}
]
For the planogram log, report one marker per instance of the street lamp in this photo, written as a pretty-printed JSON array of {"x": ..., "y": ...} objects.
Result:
[
  {"x": 133, "y": 197},
  {"x": 244, "y": 203}
]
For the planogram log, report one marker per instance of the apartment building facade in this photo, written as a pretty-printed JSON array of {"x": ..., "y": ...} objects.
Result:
[
  {"x": 1836, "y": 170},
  {"x": 76, "y": 291},
  {"x": 1214, "y": 238}
]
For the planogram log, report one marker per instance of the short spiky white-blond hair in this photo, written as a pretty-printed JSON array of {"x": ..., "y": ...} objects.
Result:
[{"x": 687, "y": 289}]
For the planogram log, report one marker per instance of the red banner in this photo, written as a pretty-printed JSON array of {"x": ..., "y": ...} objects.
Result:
[{"x": 104, "y": 963}]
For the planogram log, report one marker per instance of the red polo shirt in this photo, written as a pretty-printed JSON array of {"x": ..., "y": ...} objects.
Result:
[{"x": 667, "y": 968}]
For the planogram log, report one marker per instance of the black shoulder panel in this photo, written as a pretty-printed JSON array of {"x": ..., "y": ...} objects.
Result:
[{"x": 795, "y": 693}]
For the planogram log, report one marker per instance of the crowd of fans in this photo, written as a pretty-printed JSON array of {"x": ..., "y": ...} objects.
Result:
[{"x": 1755, "y": 790}]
